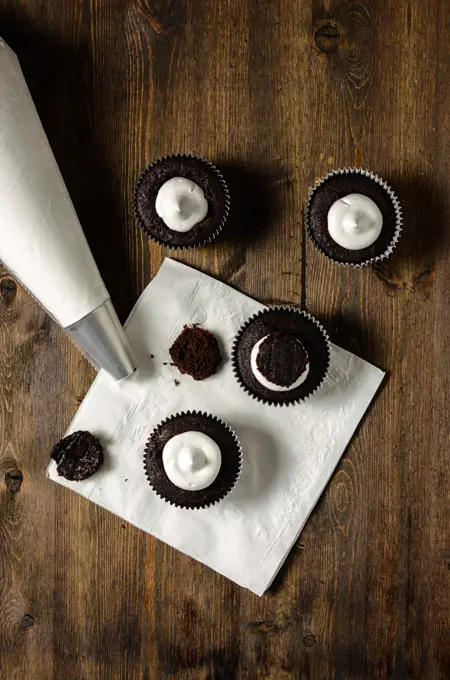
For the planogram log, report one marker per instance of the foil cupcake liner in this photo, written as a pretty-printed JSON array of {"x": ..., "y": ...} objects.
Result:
[
  {"x": 397, "y": 207},
  {"x": 226, "y": 489},
  {"x": 180, "y": 156},
  {"x": 234, "y": 352}
]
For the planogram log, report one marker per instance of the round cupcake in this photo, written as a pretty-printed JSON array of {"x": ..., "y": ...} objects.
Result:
[
  {"x": 193, "y": 460},
  {"x": 281, "y": 356},
  {"x": 353, "y": 217},
  {"x": 181, "y": 201}
]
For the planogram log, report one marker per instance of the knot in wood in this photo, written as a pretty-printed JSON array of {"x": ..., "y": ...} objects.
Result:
[
  {"x": 328, "y": 37},
  {"x": 13, "y": 480},
  {"x": 8, "y": 290},
  {"x": 309, "y": 640},
  {"x": 27, "y": 621}
]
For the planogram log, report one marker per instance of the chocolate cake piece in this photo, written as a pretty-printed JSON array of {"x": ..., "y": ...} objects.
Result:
[{"x": 196, "y": 352}]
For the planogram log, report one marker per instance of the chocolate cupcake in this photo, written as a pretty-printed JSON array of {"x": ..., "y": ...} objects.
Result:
[
  {"x": 181, "y": 201},
  {"x": 353, "y": 217},
  {"x": 281, "y": 356},
  {"x": 193, "y": 460}
]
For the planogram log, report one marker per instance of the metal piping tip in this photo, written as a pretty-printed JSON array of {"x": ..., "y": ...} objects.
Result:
[{"x": 102, "y": 337}]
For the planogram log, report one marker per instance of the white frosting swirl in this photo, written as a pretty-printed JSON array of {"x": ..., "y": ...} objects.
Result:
[
  {"x": 181, "y": 204},
  {"x": 267, "y": 383},
  {"x": 355, "y": 222},
  {"x": 191, "y": 460}
]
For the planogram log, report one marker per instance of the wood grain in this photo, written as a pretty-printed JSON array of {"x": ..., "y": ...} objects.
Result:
[{"x": 277, "y": 93}]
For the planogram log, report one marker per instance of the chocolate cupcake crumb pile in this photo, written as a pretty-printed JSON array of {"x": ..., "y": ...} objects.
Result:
[{"x": 78, "y": 456}]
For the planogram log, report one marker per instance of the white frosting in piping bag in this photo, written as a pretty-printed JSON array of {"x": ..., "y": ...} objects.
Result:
[
  {"x": 41, "y": 240},
  {"x": 266, "y": 383},
  {"x": 181, "y": 204},
  {"x": 191, "y": 460},
  {"x": 355, "y": 222}
]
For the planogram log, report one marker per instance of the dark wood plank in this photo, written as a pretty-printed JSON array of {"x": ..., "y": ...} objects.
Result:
[
  {"x": 384, "y": 561},
  {"x": 277, "y": 93}
]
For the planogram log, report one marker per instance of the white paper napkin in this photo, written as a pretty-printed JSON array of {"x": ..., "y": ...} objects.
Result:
[{"x": 289, "y": 453}]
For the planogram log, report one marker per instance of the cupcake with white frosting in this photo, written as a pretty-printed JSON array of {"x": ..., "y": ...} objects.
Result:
[
  {"x": 181, "y": 201},
  {"x": 281, "y": 356},
  {"x": 193, "y": 460},
  {"x": 353, "y": 217}
]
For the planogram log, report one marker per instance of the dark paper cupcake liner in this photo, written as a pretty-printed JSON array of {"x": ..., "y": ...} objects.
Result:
[
  {"x": 211, "y": 167},
  {"x": 279, "y": 401},
  {"x": 225, "y": 482},
  {"x": 397, "y": 207}
]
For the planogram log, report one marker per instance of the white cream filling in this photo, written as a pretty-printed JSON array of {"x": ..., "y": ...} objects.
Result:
[
  {"x": 354, "y": 222},
  {"x": 191, "y": 460},
  {"x": 181, "y": 204}
]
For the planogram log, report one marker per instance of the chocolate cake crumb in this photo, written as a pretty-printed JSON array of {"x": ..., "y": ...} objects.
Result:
[
  {"x": 78, "y": 456},
  {"x": 196, "y": 352},
  {"x": 177, "y": 382}
]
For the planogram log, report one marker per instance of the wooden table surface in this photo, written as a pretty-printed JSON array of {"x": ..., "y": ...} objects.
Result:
[{"x": 277, "y": 93}]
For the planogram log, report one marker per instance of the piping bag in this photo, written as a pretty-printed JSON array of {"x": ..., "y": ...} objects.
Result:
[{"x": 41, "y": 240}]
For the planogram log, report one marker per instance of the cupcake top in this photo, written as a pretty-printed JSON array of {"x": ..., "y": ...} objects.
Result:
[
  {"x": 196, "y": 352},
  {"x": 192, "y": 460},
  {"x": 181, "y": 201},
  {"x": 281, "y": 356},
  {"x": 353, "y": 217},
  {"x": 279, "y": 361}
]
